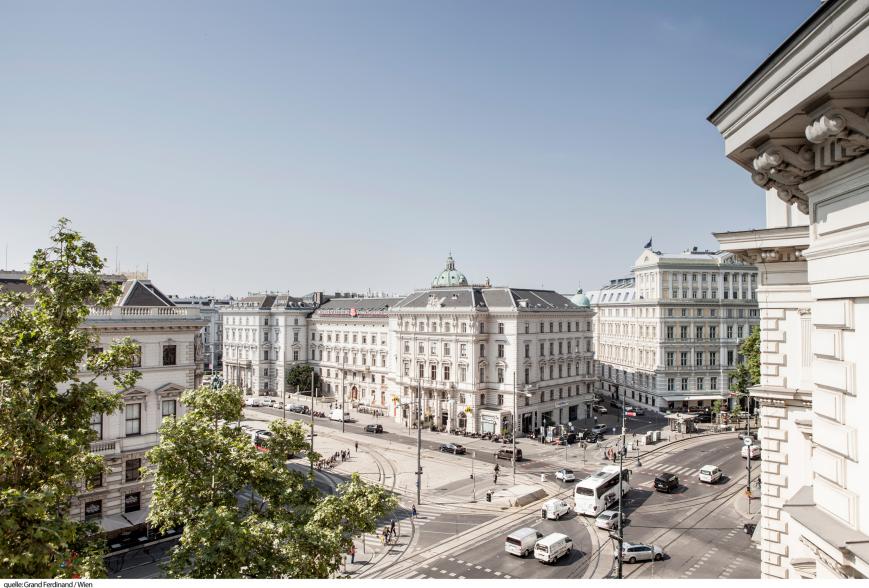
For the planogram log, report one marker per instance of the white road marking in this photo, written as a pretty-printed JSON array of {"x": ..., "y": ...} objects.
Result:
[{"x": 488, "y": 571}]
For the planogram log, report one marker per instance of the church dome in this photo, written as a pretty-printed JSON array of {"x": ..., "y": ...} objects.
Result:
[
  {"x": 580, "y": 299},
  {"x": 450, "y": 276}
]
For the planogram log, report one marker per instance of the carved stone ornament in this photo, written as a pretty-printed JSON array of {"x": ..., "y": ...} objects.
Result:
[
  {"x": 825, "y": 559},
  {"x": 835, "y": 136},
  {"x": 781, "y": 255}
]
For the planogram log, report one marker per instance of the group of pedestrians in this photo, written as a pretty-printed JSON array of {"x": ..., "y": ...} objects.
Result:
[
  {"x": 333, "y": 460},
  {"x": 389, "y": 533}
]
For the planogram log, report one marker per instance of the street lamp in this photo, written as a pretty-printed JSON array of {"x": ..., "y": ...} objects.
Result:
[{"x": 515, "y": 418}]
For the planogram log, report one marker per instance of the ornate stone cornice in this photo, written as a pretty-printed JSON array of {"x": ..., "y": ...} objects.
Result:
[{"x": 838, "y": 132}]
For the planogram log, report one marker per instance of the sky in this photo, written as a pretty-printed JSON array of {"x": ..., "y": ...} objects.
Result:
[{"x": 232, "y": 147}]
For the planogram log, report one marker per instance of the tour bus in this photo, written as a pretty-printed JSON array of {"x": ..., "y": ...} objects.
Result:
[{"x": 596, "y": 493}]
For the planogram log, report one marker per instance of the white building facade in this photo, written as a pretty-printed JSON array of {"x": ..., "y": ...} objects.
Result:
[
  {"x": 475, "y": 351},
  {"x": 264, "y": 336},
  {"x": 170, "y": 361},
  {"x": 668, "y": 337},
  {"x": 212, "y": 333},
  {"x": 799, "y": 125}
]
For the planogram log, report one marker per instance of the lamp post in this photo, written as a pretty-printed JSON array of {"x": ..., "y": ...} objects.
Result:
[
  {"x": 515, "y": 421},
  {"x": 419, "y": 442},
  {"x": 621, "y": 476},
  {"x": 343, "y": 388}
]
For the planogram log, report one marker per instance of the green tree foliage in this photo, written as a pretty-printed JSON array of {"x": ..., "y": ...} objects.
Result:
[
  {"x": 747, "y": 373},
  {"x": 46, "y": 407},
  {"x": 300, "y": 377},
  {"x": 244, "y": 512}
]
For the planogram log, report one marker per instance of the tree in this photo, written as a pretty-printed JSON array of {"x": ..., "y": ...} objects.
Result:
[
  {"x": 46, "y": 409},
  {"x": 244, "y": 512},
  {"x": 747, "y": 373},
  {"x": 300, "y": 377}
]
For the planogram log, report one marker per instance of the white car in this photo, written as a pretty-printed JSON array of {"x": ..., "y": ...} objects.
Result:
[
  {"x": 634, "y": 552},
  {"x": 609, "y": 519},
  {"x": 253, "y": 401},
  {"x": 268, "y": 401},
  {"x": 709, "y": 474},
  {"x": 751, "y": 451},
  {"x": 565, "y": 475}
]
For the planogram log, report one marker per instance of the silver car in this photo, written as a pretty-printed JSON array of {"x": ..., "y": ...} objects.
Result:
[{"x": 634, "y": 552}]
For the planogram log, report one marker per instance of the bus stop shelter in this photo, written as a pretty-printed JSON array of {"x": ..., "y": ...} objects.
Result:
[{"x": 682, "y": 422}]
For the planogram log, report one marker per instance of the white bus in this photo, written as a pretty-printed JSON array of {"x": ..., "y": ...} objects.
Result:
[{"x": 596, "y": 493}]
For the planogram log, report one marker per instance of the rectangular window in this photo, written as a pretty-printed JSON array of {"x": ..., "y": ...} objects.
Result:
[
  {"x": 683, "y": 332},
  {"x": 463, "y": 374},
  {"x": 96, "y": 481},
  {"x": 133, "y": 417},
  {"x": 446, "y": 349},
  {"x": 296, "y": 355},
  {"x": 527, "y": 351},
  {"x": 500, "y": 328},
  {"x": 137, "y": 357},
  {"x": 482, "y": 327},
  {"x": 699, "y": 332},
  {"x": 421, "y": 348},
  {"x": 446, "y": 373},
  {"x": 500, "y": 399},
  {"x": 169, "y": 355},
  {"x": 500, "y": 350},
  {"x": 542, "y": 349},
  {"x": 670, "y": 359},
  {"x": 699, "y": 383},
  {"x": 482, "y": 350},
  {"x": 739, "y": 332},
  {"x": 683, "y": 358},
  {"x": 527, "y": 376},
  {"x": 684, "y": 384},
  {"x": 482, "y": 375},
  {"x": 131, "y": 470},
  {"x": 500, "y": 375},
  {"x": 730, "y": 332},
  {"x": 463, "y": 350},
  {"x": 698, "y": 358},
  {"x": 713, "y": 383},
  {"x": 730, "y": 358},
  {"x": 168, "y": 408},
  {"x": 527, "y": 328},
  {"x": 421, "y": 370},
  {"x": 434, "y": 372},
  {"x": 670, "y": 330},
  {"x": 132, "y": 502},
  {"x": 97, "y": 425},
  {"x": 671, "y": 384},
  {"x": 93, "y": 510},
  {"x": 713, "y": 358}
]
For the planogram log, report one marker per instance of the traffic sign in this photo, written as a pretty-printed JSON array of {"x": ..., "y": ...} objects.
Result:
[{"x": 747, "y": 441}]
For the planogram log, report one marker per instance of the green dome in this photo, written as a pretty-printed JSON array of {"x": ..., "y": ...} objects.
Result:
[
  {"x": 580, "y": 299},
  {"x": 450, "y": 276}
]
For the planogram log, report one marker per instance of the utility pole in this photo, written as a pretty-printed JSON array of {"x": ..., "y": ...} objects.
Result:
[
  {"x": 621, "y": 476},
  {"x": 473, "y": 479},
  {"x": 748, "y": 455},
  {"x": 343, "y": 389},
  {"x": 312, "y": 417},
  {"x": 284, "y": 404},
  {"x": 419, "y": 442},
  {"x": 513, "y": 457}
]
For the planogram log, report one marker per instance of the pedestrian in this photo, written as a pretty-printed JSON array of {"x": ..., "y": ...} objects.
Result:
[
  {"x": 413, "y": 510},
  {"x": 352, "y": 553},
  {"x": 357, "y": 447},
  {"x": 392, "y": 526}
]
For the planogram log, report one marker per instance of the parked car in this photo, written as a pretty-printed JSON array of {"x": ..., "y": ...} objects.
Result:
[
  {"x": 751, "y": 450},
  {"x": 253, "y": 401},
  {"x": 634, "y": 552},
  {"x": 636, "y": 410},
  {"x": 567, "y": 439},
  {"x": 743, "y": 435},
  {"x": 521, "y": 541},
  {"x": 554, "y": 509},
  {"x": 261, "y": 439},
  {"x": 609, "y": 519},
  {"x": 278, "y": 403},
  {"x": 565, "y": 475},
  {"x": 703, "y": 417},
  {"x": 600, "y": 409},
  {"x": 452, "y": 448},
  {"x": 587, "y": 436},
  {"x": 710, "y": 474},
  {"x": 319, "y": 414},
  {"x": 553, "y": 547},
  {"x": 666, "y": 482},
  {"x": 373, "y": 428},
  {"x": 505, "y": 453},
  {"x": 599, "y": 429}
]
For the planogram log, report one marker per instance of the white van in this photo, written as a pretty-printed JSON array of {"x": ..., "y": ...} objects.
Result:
[
  {"x": 710, "y": 474},
  {"x": 752, "y": 450},
  {"x": 337, "y": 415},
  {"x": 252, "y": 401},
  {"x": 553, "y": 547},
  {"x": 554, "y": 509},
  {"x": 521, "y": 542}
]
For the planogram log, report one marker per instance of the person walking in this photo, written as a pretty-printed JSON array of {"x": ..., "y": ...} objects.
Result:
[
  {"x": 413, "y": 511},
  {"x": 352, "y": 553},
  {"x": 357, "y": 447},
  {"x": 392, "y": 526}
]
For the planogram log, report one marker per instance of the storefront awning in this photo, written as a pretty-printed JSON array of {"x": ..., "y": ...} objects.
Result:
[
  {"x": 136, "y": 517},
  {"x": 114, "y": 522}
]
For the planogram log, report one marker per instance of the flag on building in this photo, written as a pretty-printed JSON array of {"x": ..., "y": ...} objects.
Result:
[{"x": 649, "y": 244}]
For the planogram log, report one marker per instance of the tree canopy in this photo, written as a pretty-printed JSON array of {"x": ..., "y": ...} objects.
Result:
[
  {"x": 46, "y": 404},
  {"x": 747, "y": 373},
  {"x": 244, "y": 512},
  {"x": 299, "y": 376}
]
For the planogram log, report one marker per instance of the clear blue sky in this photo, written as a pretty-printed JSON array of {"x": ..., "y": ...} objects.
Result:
[{"x": 237, "y": 146}]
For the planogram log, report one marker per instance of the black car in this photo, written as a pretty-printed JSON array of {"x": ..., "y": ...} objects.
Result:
[
  {"x": 703, "y": 417},
  {"x": 568, "y": 439},
  {"x": 743, "y": 435},
  {"x": 666, "y": 482},
  {"x": 452, "y": 448},
  {"x": 373, "y": 428}
]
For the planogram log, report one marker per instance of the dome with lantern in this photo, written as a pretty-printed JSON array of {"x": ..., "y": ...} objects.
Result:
[{"x": 450, "y": 276}]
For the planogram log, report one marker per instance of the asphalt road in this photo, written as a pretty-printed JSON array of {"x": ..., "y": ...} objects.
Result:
[{"x": 697, "y": 526}]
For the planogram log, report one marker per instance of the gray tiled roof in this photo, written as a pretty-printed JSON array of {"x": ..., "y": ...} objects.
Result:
[
  {"x": 486, "y": 298},
  {"x": 143, "y": 293}
]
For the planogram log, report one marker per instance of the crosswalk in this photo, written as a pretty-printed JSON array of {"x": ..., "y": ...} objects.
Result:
[
  {"x": 671, "y": 469},
  {"x": 430, "y": 512}
]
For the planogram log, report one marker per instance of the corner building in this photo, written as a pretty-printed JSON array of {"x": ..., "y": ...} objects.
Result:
[
  {"x": 471, "y": 348},
  {"x": 668, "y": 337}
]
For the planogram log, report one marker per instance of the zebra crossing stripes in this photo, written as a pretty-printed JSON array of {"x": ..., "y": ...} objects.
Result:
[
  {"x": 429, "y": 512},
  {"x": 671, "y": 469}
]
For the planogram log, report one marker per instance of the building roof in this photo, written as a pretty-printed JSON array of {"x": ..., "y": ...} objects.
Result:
[
  {"x": 580, "y": 299},
  {"x": 620, "y": 290},
  {"x": 142, "y": 293},
  {"x": 450, "y": 276},
  {"x": 483, "y": 298},
  {"x": 357, "y": 307},
  {"x": 271, "y": 301}
]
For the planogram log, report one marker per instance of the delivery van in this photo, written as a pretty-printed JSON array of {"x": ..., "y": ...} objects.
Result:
[
  {"x": 553, "y": 547},
  {"x": 521, "y": 541}
]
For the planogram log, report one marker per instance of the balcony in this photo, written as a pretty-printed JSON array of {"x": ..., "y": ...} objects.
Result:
[
  {"x": 126, "y": 313},
  {"x": 105, "y": 447}
]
